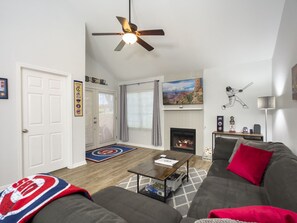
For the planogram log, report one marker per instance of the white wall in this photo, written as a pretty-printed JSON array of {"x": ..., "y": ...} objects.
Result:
[
  {"x": 215, "y": 82},
  {"x": 285, "y": 57},
  {"x": 40, "y": 33},
  {"x": 192, "y": 119},
  {"x": 94, "y": 69}
]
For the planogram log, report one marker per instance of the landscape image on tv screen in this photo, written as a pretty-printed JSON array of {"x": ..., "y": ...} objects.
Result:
[{"x": 183, "y": 92}]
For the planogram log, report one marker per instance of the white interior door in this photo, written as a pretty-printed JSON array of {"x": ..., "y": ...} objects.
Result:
[
  {"x": 44, "y": 109},
  {"x": 100, "y": 118}
]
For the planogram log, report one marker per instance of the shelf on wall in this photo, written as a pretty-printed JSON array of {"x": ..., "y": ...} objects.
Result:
[{"x": 182, "y": 109}]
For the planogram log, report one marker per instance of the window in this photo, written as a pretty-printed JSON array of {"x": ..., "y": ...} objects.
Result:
[
  {"x": 106, "y": 117},
  {"x": 140, "y": 109}
]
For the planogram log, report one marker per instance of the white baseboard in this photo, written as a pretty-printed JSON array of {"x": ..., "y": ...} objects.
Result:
[
  {"x": 150, "y": 147},
  {"x": 77, "y": 164},
  {"x": 99, "y": 146},
  {"x": 141, "y": 145}
]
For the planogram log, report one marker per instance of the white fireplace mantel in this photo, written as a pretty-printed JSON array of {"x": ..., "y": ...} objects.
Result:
[{"x": 182, "y": 109}]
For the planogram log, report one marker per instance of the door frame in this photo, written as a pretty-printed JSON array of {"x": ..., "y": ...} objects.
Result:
[
  {"x": 114, "y": 118},
  {"x": 19, "y": 94},
  {"x": 108, "y": 91}
]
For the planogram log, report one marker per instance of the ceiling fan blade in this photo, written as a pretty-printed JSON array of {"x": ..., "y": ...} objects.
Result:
[
  {"x": 147, "y": 46},
  {"x": 120, "y": 46},
  {"x": 106, "y": 34},
  {"x": 155, "y": 32},
  {"x": 125, "y": 24}
]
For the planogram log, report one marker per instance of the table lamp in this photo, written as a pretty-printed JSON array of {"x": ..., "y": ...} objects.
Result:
[{"x": 266, "y": 103}]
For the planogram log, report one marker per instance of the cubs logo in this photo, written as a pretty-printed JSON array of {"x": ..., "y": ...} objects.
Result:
[
  {"x": 107, "y": 151},
  {"x": 22, "y": 200},
  {"x": 18, "y": 196}
]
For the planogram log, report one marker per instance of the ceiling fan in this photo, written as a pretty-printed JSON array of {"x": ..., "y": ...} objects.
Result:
[{"x": 130, "y": 33}]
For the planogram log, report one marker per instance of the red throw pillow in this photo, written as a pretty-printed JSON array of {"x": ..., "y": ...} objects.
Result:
[
  {"x": 250, "y": 163},
  {"x": 260, "y": 214}
]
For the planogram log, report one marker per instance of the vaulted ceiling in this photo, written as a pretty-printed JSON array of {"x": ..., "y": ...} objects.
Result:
[{"x": 199, "y": 34}]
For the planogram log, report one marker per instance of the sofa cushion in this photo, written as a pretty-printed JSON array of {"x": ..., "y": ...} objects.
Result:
[
  {"x": 279, "y": 149},
  {"x": 280, "y": 183},
  {"x": 252, "y": 143},
  {"x": 75, "y": 209},
  {"x": 210, "y": 220},
  {"x": 217, "y": 192},
  {"x": 263, "y": 214},
  {"x": 135, "y": 207},
  {"x": 250, "y": 163},
  {"x": 188, "y": 220},
  {"x": 219, "y": 169},
  {"x": 223, "y": 148}
]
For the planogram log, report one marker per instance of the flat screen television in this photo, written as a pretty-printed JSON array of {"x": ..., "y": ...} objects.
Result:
[{"x": 183, "y": 92}]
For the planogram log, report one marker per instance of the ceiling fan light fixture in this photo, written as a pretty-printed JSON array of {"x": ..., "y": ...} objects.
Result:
[{"x": 129, "y": 38}]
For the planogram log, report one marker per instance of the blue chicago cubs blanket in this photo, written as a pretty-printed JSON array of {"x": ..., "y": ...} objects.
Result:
[{"x": 20, "y": 201}]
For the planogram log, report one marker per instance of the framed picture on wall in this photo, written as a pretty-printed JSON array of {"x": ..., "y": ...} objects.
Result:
[
  {"x": 183, "y": 92},
  {"x": 3, "y": 88},
  {"x": 78, "y": 98},
  {"x": 294, "y": 82}
]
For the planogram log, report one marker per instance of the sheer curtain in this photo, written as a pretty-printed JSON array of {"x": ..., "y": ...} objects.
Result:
[
  {"x": 140, "y": 109},
  {"x": 156, "y": 128},
  {"x": 124, "y": 132}
]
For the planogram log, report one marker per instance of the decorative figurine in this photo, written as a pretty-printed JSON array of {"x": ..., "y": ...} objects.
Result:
[
  {"x": 245, "y": 130},
  {"x": 232, "y": 124}
]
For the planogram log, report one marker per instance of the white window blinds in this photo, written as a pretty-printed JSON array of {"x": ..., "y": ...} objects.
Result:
[{"x": 140, "y": 109}]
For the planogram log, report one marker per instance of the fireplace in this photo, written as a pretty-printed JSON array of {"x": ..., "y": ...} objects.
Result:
[{"x": 183, "y": 140}]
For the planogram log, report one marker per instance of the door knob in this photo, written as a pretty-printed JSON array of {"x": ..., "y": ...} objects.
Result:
[{"x": 25, "y": 130}]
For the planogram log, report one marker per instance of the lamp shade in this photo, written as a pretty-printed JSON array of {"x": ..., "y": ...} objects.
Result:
[
  {"x": 267, "y": 102},
  {"x": 129, "y": 38}
]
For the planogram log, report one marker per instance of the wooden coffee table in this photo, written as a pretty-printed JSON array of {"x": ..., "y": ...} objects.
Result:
[{"x": 160, "y": 172}]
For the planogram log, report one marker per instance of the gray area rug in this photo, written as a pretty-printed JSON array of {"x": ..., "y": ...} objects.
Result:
[{"x": 180, "y": 199}]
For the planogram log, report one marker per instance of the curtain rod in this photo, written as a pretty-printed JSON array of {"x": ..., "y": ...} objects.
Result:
[{"x": 140, "y": 83}]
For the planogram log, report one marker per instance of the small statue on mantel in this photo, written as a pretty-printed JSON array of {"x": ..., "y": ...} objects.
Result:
[{"x": 232, "y": 124}]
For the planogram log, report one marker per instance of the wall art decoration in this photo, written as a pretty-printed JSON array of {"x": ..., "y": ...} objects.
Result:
[
  {"x": 232, "y": 124},
  {"x": 233, "y": 97},
  {"x": 294, "y": 82},
  {"x": 3, "y": 88},
  {"x": 95, "y": 80},
  {"x": 78, "y": 98},
  {"x": 183, "y": 92}
]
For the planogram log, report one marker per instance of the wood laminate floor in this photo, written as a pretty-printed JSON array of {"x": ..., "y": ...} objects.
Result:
[{"x": 96, "y": 176}]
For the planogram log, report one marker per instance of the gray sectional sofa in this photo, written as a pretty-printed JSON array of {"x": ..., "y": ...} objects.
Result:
[
  {"x": 224, "y": 189},
  {"x": 111, "y": 205},
  {"x": 220, "y": 189}
]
